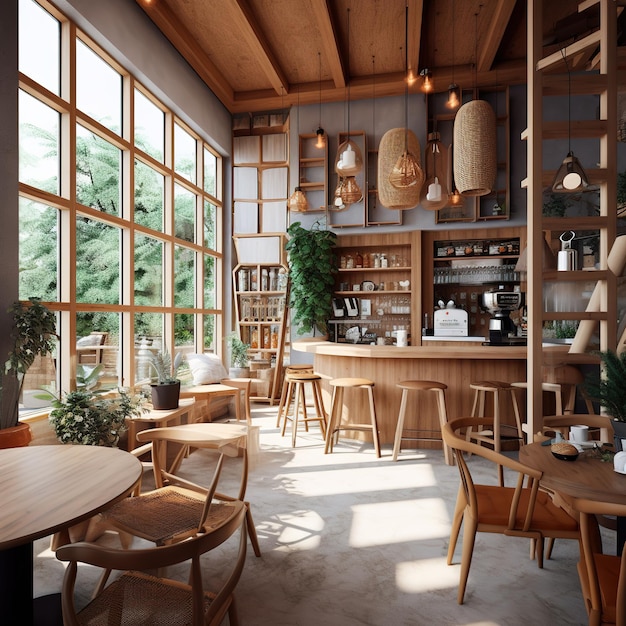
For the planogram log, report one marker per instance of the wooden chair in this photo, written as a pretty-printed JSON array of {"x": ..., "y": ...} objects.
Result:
[
  {"x": 600, "y": 426},
  {"x": 602, "y": 576},
  {"x": 520, "y": 511},
  {"x": 178, "y": 508},
  {"x": 138, "y": 598},
  {"x": 88, "y": 355}
]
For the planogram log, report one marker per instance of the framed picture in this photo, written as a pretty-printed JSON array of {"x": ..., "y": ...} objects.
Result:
[{"x": 466, "y": 212}]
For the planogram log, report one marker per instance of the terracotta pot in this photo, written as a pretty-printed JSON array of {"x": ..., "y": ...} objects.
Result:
[{"x": 15, "y": 436}]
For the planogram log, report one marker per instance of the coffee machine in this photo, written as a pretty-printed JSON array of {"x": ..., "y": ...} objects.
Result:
[{"x": 499, "y": 303}]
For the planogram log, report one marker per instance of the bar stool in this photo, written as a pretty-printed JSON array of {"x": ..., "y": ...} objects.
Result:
[
  {"x": 336, "y": 409},
  {"x": 421, "y": 385},
  {"x": 494, "y": 437},
  {"x": 298, "y": 383},
  {"x": 285, "y": 400},
  {"x": 562, "y": 381}
]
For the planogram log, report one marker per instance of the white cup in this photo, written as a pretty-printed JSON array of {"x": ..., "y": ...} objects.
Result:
[
  {"x": 402, "y": 338},
  {"x": 579, "y": 433},
  {"x": 619, "y": 462}
]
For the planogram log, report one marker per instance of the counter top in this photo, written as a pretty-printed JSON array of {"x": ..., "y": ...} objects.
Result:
[{"x": 553, "y": 354}]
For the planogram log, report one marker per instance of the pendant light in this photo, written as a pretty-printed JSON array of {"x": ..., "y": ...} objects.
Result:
[
  {"x": 571, "y": 176},
  {"x": 321, "y": 135},
  {"x": 475, "y": 149},
  {"x": 427, "y": 80},
  {"x": 435, "y": 189},
  {"x": 454, "y": 91},
  {"x": 298, "y": 202},
  {"x": 455, "y": 199},
  {"x": 349, "y": 161},
  {"x": 407, "y": 171}
]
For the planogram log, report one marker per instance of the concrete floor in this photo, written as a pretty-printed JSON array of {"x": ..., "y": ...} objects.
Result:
[{"x": 349, "y": 539}]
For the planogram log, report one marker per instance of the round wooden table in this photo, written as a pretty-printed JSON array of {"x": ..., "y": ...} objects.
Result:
[
  {"x": 44, "y": 490},
  {"x": 587, "y": 477}
]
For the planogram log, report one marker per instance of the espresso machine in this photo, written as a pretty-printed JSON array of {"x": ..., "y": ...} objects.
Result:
[{"x": 499, "y": 303}]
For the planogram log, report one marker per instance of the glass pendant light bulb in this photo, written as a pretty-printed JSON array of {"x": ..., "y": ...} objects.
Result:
[
  {"x": 298, "y": 202},
  {"x": 321, "y": 138},
  {"x": 349, "y": 161},
  {"x": 454, "y": 96},
  {"x": 435, "y": 193}
]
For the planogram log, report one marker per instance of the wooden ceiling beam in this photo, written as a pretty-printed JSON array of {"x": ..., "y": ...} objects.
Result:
[
  {"x": 497, "y": 28},
  {"x": 180, "y": 37},
  {"x": 330, "y": 46},
  {"x": 247, "y": 27}
]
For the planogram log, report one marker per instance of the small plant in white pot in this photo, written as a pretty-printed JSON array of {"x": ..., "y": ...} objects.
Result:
[
  {"x": 165, "y": 385},
  {"x": 239, "y": 359}
]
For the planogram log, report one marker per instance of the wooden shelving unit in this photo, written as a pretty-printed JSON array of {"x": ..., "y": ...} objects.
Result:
[
  {"x": 547, "y": 77},
  {"x": 313, "y": 172}
]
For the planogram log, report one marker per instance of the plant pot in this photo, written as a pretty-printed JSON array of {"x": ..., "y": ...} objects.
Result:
[
  {"x": 619, "y": 433},
  {"x": 15, "y": 436},
  {"x": 165, "y": 396}
]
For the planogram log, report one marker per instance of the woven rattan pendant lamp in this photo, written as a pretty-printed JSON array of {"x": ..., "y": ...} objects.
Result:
[
  {"x": 475, "y": 149},
  {"x": 407, "y": 170}
]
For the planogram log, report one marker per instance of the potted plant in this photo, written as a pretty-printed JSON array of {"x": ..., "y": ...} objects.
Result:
[
  {"x": 238, "y": 356},
  {"x": 312, "y": 269},
  {"x": 166, "y": 388},
  {"x": 33, "y": 334},
  {"x": 94, "y": 419},
  {"x": 609, "y": 390}
]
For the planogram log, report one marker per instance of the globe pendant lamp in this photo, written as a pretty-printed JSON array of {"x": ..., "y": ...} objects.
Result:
[
  {"x": 321, "y": 135},
  {"x": 407, "y": 171},
  {"x": 298, "y": 202},
  {"x": 350, "y": 191},
  {"x": 349, "y": 161},
  {"x": 435, "y": 190},
  {"x": 571, "y": 176}
]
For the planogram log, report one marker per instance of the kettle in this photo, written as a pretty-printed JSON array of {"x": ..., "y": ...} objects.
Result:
[{"x": 567, "y": 258}]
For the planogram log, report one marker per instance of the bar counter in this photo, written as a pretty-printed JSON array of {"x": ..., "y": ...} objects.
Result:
[{"x": 455, "y": 365}]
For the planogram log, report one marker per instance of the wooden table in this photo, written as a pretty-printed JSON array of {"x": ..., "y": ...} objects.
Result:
[
  {"x": 588, "y": 477},
  {"x": 44, "y": 490},
  {"x": 158, "y": 419},
  {"x": 210, "y": 392}
]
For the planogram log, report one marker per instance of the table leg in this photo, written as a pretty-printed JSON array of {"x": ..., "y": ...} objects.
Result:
[{"x": 621, "y": 534}]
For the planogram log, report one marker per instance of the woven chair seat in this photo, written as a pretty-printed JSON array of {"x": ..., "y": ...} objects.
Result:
[
  {"x": 131, "y": 600},
  {"x": 165, "y": 514}
]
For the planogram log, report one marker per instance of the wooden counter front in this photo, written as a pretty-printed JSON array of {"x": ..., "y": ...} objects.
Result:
[{"x": 456, "y": 366}]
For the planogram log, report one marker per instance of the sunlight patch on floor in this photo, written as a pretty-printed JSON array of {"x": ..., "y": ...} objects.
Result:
[
  {"x": 386, "y": 523},
  {"x": 426, "y": 575}
]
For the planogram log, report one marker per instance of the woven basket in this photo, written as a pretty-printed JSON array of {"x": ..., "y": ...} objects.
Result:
[
  {"x": 390, "y": 148},
  {"x": 475, "y": 158}
]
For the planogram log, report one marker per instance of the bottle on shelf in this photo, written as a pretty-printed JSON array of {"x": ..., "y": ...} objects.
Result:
[
  {"x": 273, "y": 275},
  {"x": 359, "y": 260}
]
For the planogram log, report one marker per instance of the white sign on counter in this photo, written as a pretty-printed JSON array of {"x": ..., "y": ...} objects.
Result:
[{"x": 450, "y": 323}]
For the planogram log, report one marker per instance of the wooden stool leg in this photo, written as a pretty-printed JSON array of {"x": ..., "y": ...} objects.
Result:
[
  {"x": 496, "y": 432},
  {"x": 296, "y": 412},
  {"x": 443, "y": 418},
  {"x": 400, "y": 426},
  {"x": 335, "y": 417},
  {"x": 289, "y": 398},
  {"x": 319, "y": 406},
  {"x": 370, "y": 393},
  {"x": 283, "y": 399}
]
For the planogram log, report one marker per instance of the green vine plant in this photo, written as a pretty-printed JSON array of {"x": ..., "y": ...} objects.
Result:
[{"x": 312, "y": 270}]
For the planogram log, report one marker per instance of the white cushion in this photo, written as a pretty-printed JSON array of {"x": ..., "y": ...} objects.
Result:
[{"x": 206, "y": 368}]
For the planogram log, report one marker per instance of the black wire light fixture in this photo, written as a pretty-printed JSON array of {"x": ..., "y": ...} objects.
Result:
[{"x": 570, "y": 177}]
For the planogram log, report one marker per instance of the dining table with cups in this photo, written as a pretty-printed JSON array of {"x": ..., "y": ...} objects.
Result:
[{"x": 581, "y": 468}]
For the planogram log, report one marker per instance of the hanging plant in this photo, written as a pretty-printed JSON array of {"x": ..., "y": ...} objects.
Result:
[{"x": 312, "y": 270}]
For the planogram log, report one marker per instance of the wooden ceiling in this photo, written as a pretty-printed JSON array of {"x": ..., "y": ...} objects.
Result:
[{"x": 259, "y": 55}]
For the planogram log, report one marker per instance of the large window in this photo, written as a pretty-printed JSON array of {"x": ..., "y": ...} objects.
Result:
[{"x": 119, "y": 208}]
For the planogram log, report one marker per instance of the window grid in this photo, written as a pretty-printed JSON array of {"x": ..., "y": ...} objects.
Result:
[{"x": 204, "y": 319}]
